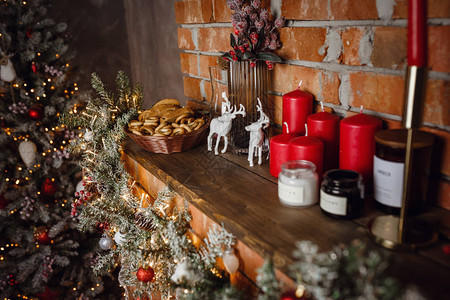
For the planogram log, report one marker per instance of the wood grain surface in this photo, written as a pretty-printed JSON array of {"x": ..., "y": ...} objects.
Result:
[{"x": 245, "y": 200}]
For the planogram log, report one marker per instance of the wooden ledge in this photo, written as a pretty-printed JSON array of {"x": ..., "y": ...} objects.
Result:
[{"x": 245, "y": 200}]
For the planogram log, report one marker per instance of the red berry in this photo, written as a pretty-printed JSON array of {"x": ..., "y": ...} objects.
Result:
[
  {"x": 235, "y": 58},
  {"x": 252, "y": 64},
  {"x": 446, "y": 249},
  {"x": 236, "y": 31},
  {"x": 232, "y": 52}
]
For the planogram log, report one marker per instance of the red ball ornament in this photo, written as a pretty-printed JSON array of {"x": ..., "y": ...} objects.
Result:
[
  {"x": 49, "y": 187},
  {"x": 35, "y": 113},
  {"x": 293, "y": 295},
  {"x": 3, "y": 201},
  {"x": 446, "y": 249},
  {"x": 145, "y": 274},
  {"x": 41, "y": 235}
]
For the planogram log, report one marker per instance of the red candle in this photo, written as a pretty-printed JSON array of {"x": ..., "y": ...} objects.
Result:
[
  {"x": 325, "y": 126},
  {"x": 279, "y": 151},
  {"x": 307, "y": 148},
  {"x": 417, "y": 33},
  {"x": 357, "y": 145},
  {"x": 297, "y": 105}
]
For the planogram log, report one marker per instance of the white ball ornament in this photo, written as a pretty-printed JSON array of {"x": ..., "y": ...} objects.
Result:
[
  {"x": 79, "y": 187},
  {"x": 27, "y": 151},
  {"x": 120, "y": 238},
  {"x": 230, "y": 261},
  {"x": 184, "y": 272},
  {"x": 88, "y": 135},
  {"x": 106, "y": 243},
  {"x": 7, "y": 72}
]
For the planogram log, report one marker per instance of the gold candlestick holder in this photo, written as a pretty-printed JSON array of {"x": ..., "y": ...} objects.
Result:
[{"x": 406, "y": 232}]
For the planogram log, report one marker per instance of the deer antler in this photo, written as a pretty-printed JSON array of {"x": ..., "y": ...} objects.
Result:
[
  {"x": 263, "y": 119},
  {"x": 241, "y": 110}
]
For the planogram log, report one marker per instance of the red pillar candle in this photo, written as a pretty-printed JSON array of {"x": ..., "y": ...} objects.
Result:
[
  {"x": 325, "y": 126},
  {"x": 357, "y": 145},
  {"x": 307, "y": 148},
  {"x": 279, "y": 151},
  {"x": 417, "y": 33},
  {"x": 297, "y": 105}
]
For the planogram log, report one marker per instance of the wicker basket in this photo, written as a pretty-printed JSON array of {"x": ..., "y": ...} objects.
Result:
[{"x": 170, "y": 144}]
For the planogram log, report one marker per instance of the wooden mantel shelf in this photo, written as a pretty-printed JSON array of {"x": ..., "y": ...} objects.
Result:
[{"x": 245, "y": 200}]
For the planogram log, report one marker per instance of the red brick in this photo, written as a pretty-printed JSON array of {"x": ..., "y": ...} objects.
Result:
[
  {"x": 353, "y": 10},
  {"x": 437, "y": 104},
  {"x": 383, "y": 93},
  {"x": 189, "y": 63},
  {"x": 435, "y": 9},
  {"x": 275, "y": 112},
  {"x": 207, "y": 61},
  {"x": 214, "y": 39},
  {"x": 221, "y": 11},
  {"x": 439, "y": 48},
  {"x": 389, "y": 47},
  {"x": 185, "y": 39},
  {"x": 304, "y": 10},
  {"x": 324, "y": 85},
  {"x": 193, "y": 11},
  {"x": 302, "y": 43},
  {"x": 192, "y": 88},
  {"x": 350, "y": 40}
]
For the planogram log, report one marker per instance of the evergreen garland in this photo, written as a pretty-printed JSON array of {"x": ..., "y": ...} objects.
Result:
[{"x": 156, "y": 237}]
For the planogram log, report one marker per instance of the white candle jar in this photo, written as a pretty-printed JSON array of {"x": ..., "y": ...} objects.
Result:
[{"x": 298, "y": 183}]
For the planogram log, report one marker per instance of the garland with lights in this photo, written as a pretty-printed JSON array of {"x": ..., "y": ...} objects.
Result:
[
  {"x": 149, "y": 239},
  {"x": 42, "y": 254}
]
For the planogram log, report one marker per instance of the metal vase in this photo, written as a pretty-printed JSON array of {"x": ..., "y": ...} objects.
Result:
[{"x": 245, "y": 85}]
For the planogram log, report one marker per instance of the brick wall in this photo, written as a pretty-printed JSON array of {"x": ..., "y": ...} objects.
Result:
[{"x": 348, "y": 53}]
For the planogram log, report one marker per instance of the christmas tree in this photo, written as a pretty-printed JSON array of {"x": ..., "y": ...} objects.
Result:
[{"x": 42, "y": 254}]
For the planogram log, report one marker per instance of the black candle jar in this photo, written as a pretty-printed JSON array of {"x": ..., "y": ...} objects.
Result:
[
  {"x": 389, "y": 164},
  {"x": 342, "y": 194}
]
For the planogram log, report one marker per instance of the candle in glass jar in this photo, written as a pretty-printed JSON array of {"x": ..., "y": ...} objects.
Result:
[
  {"x": 357, "y": 145},
  {"x": 325, "y": 126},
  {"x": 297, "y": 105},
  {"x": 298, "y": 183}
]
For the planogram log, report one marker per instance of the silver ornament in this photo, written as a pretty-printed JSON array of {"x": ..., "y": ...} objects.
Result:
[
  {"x": 27, "y": 151},
  {"x": 106, "y": 243},
  {"x": 120, "y": 238}
]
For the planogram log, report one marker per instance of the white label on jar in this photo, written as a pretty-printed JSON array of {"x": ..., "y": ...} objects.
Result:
[
  {"x": 388, "y": 181},
  {"x": 333, "y": 204},
  {"x": 291, "y": 195}
]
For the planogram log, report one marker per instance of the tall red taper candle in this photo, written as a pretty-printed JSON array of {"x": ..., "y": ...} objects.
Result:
[
  {"x": 325, "y": 126},
  {"x": 357, "y": 145},
  {"x": 297, "y": 105},
  {"x": 417, "y": 33}
]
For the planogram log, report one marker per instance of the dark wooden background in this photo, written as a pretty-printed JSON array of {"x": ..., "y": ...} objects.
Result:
[{"x": 136, "y": 36}]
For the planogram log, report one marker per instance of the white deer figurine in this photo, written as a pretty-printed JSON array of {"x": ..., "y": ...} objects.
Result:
[
  {"x": 222, "y": 125},
  {"x": 257, "y": 135}
]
